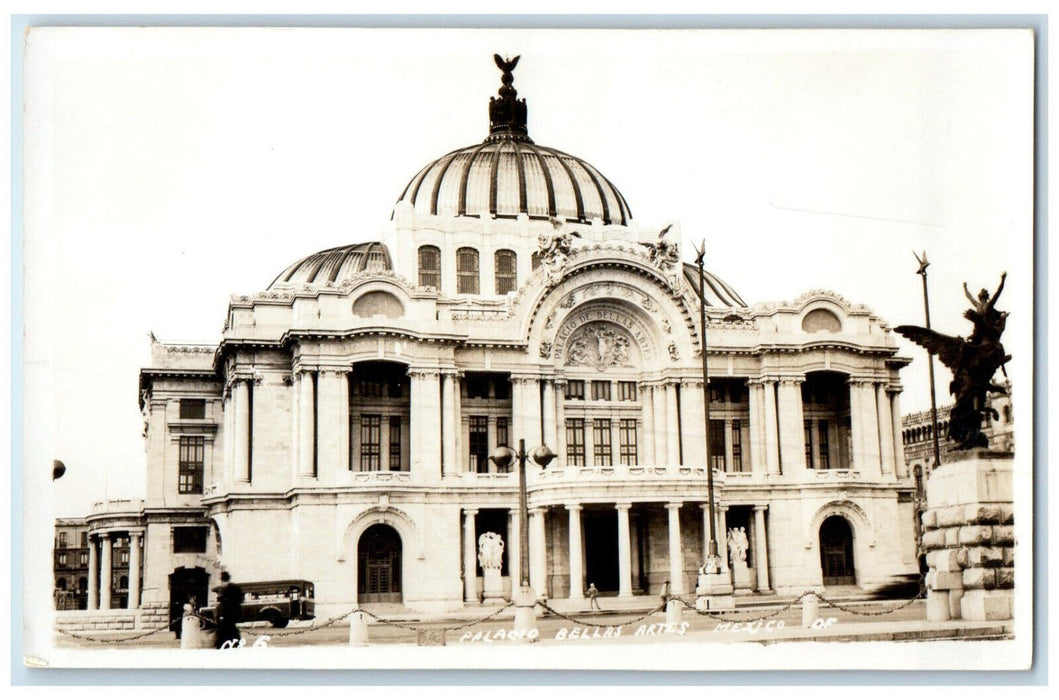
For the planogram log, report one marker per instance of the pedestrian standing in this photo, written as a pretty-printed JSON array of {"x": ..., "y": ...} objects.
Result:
[
  {"x": 665, "y": 592},
  {"x": 229, "y": 611},
  {"x": 593, "y": 604}
]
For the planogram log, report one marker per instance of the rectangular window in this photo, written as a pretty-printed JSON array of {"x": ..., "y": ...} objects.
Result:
[
  {"x": 626, "y": 391},
  {"x": 716, "y": 393},
  {"x": 189, "y": 540},
  {"x": 430, "y": 267},
  {"x": 124, "y": 557},
  {"x": 501, "y": 432},
  {"x": 192, "y": 459},
  {"x": 575, "y": 442},
  {"x": 370, "y": 443},
  {"x": 466, "y": 271},
  {"x": 478, "y": 443},
  {"x": 62, "y": 540},
  {"x": 737, "y": 393},
  {"x": 84, "y": 539},
  {"x": 627, "y": 440},
  {"x": 62, "y": 558},
  {"x": 601, "y": 448},
  {"x": 717, "y": 444},
  {"x": 575, "y": 389},
  {"x": 477, "y": 386},
  {"x": 502, "y": 388},
  {"x": 737, "y": 446},
  {"x": 600, "y": 391},
  {"x": 825, "y": 450},
  {"x": 809, "y": 444},
  {"x": 395, "y": 443},
  {"x": 192, "y": 409},
  {"x": 84, "y": 559},
  {"x": 367, "y": 389}
]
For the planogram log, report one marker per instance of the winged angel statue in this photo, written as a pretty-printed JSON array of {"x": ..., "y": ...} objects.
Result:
[{"x": 973, "y": 362}]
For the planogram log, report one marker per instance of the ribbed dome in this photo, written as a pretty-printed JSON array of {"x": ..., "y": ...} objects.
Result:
[
  {"x": 717, "y": 292},
  {"x": 507, "y": 175},
  {"x": 335, "y": 264}
]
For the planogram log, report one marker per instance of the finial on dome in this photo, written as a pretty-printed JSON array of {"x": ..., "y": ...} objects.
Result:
[{"x": 507, "y": 115}]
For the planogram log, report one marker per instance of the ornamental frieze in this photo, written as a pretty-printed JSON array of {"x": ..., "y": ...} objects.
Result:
[{"x": 598, "y": 344}]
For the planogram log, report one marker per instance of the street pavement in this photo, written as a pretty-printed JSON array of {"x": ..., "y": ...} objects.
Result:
[{"x": 898, "y": 622}]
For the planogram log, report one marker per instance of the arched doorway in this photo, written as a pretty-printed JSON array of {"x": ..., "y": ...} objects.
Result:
[
  {"x": 185, "y": 584},
  {"x": 836, "y": 552},
  {"x": 379, "y": 565}
]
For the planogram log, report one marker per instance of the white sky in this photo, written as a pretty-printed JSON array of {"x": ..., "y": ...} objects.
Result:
[{"x": 167, "y": 169}]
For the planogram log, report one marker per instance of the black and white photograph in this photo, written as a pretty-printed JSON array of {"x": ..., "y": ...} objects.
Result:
[{"x": 676, "y": 350}]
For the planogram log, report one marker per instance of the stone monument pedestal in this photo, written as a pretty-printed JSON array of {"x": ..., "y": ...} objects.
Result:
[
  {"x": 492, "y": 585},
  {"x": 969, "y": 539},
  {"x": 525, "y": 601},
  {"x": 714, "y": 590},
  {"x": 741, "y": 578}
]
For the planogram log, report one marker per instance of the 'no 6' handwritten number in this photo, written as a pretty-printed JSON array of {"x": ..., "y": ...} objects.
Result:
[{"x": 259, "y": 643}]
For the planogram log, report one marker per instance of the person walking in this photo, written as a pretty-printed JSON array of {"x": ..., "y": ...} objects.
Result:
[
  {"x": 229, "y": 611},
  {"x": 665, "y": 593},
  {"x": 593, "y": 604}
]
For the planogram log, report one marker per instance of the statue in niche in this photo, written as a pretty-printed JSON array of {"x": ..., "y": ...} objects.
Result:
[
  {"x": 738, "y": 544},
  {"x": 145, "y": 411},
  {"x": 973, "y": 363},
  {"x": 490, "y": 550}
]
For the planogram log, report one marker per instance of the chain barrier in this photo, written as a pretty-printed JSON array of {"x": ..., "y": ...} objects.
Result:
[
  {"x": 452, "y": 628},
  {"x": 718, "y": 616},
  {"x": 633, "y": 621},
  {"x": 827, "y": 601},
  {"x": 123, "y": 640}
]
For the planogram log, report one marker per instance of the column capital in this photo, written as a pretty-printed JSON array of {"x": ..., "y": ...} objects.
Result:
[
  {"x": 538, "y": 511},
  {"x": 424, "y": 372},
  {"x": 674, "y": 505},
  {"x": 103, "y": 535},
  {"x": 622, "y": 506},
  {"x": 333, "y": 371},
  {"x": 559, "y": 382},
  {"x": 573, "y": 507},
  {"x": 760, "y": 507},
  {"x": 791, "y": 380},
  {"x": 894, "y": 388},
  {"x": 453, "y": 372},
  {"x": 470, "y": 511},
  {"x": 855, "y": 381},
  {"x": 764, "y": 379},
  {"x": 524, "y": 378}
]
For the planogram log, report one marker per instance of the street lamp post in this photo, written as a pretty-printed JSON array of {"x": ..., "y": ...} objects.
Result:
[
  {"x": 525, "y": 599},
  {"x": 714, "y": 588}
]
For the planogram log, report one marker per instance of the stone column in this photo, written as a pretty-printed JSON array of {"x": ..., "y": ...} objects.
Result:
[
  {"x": 672, "y": 425},
  {"x": 761, "y": 552},
  {"x": 106, "y": 571},
  {"x": 676, "y": 554},
  {"x": 885, "y": 430},
  {"x": 93, "y": 575},
  {"x": 306, "y": 424},
  {"x": 729, "y": 454},
  {"x": 577, "y": 572},
  {"x": 693, "y": 423},
  {"x": 134, "y": 570},
  {"x": 241, "y": 393},
  {"x": 661, "y": 425},
  {"x": 425, "y": 424},
  {"x": 514, "y": 556},
  {"x": 549, "y": 425},
  {"x": 900, "y": 468},
  {"x": 560, "y": 421},
  {"x": 449, "y": 464},
  {"x": 756, "y": 399},
  {"x": 332, "y": 421},
  {"x": 470, "y": 558},
  {"x": 722, "y": 535},
  {"x": 792, "y": 427},
  {"x": 865, "y": 424},
  {"x": 771, "y": 428},
  {"x": 624, "y": 551},
  {"x": 646, "y": 447},
  {"x": 538, "y": 552}
]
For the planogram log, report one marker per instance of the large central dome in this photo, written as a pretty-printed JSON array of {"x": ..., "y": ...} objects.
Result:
[{"x": 508, "y": 174}]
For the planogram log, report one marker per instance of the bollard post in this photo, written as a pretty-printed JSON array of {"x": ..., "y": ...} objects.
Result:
[
  {"x": 358, "y": 630},
  {"x": 810, "y": 610},
  {"x": 673, "y": 613},
  {"x": 190, "y": 630}
]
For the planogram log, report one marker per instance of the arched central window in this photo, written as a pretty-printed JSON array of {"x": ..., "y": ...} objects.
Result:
[
  {"x": 506, "y": 275},
  {"x": 430, "y": 266},
  {"x": 467, "y": 271}
]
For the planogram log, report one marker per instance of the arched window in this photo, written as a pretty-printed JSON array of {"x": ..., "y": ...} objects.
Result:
[
  {"x": 506, "y": 275},
  {"x": 61, "y": 584},
  {"x": 467, "y": 271},
  {"x": 1007, "y": 414},
  {"x": 430, "y": 266},
  {"x": 821, "y": 320}
]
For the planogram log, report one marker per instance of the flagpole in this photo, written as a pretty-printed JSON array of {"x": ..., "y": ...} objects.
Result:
[{"x": 922, "y": 272}]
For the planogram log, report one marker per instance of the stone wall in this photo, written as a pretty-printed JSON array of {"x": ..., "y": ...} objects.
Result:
[{"x": 969, "y": 539}]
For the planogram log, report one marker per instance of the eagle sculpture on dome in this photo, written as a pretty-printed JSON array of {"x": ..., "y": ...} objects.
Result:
[
  {"x": 507, "y": 66},
  {"x": 973, "y": 362}
]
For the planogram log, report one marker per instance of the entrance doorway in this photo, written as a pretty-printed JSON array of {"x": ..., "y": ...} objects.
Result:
[
  {"x": 836, "y": 552},
  {"x": 601, "y": 549},
  {"x": 379, "y": 565},
  {"x": 185, "y": 584}
]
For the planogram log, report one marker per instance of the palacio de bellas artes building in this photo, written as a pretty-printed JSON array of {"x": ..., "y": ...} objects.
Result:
[{"x": 343, "y": 423}]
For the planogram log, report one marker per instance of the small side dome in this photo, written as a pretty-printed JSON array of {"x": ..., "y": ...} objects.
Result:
[
  {"x": 335, "y": 265},
  {"x": 718, "y": 292}
]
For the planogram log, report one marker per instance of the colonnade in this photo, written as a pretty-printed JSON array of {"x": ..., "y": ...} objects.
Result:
[
  {"x": 100, "y": 570},
  {"x": 538, "y": 545}
]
